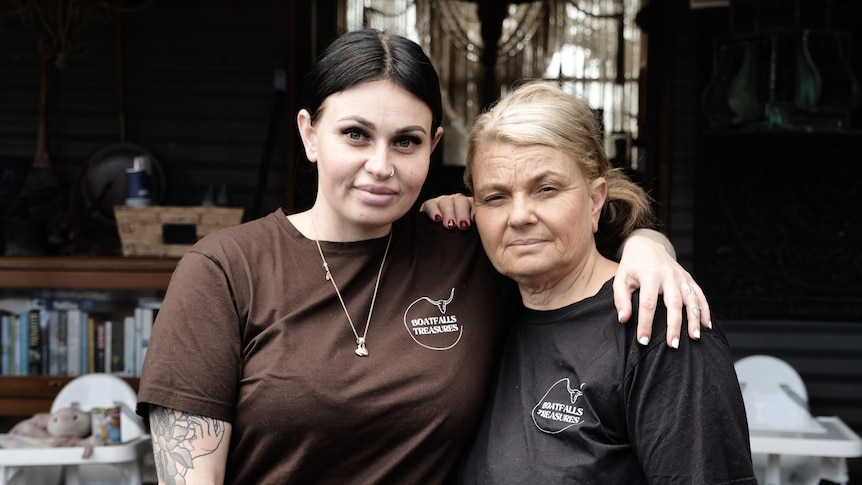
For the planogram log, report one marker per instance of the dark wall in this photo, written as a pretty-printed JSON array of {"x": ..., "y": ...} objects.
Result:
[
  {"x": 769, "y": 222},
  {"x": 779, "y": 212},
  {"x": 196, "y": 87}
]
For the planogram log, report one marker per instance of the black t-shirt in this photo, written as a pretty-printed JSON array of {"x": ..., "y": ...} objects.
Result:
[{"x": 578, "y": 400}]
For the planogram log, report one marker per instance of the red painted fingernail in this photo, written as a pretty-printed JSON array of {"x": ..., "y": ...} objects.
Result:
[
  {"x": 464, "y": 225},
  {"x": 438, "y": 218},
  {"x": 451, "y": 223}
]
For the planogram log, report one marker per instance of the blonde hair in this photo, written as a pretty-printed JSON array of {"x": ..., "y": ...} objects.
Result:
[{"x": 541, "y": 113}]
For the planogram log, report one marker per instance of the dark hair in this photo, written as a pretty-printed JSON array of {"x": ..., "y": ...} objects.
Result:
[{"x": 372, "y": 55}]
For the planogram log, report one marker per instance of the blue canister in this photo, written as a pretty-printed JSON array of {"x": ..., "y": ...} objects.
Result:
[{"x": 138, "y": 183}]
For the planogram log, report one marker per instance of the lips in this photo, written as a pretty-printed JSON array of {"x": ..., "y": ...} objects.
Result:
[
  {"x": 376, "y": 189},
  {"x": 526, "y": 243},
  {"x": 375, "y": 194}
]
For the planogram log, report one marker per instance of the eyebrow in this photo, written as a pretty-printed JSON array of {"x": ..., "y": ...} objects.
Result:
[
  {"x": 497, "y": 187},
  {"x": 366, "y": 122}
]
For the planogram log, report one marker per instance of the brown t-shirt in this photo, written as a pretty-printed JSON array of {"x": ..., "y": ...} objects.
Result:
[{"x": 250, "y": 332}]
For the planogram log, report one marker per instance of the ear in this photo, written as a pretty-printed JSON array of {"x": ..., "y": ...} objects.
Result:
[
  {"x": 598, "y": 196},
  {"x": 308, "y": 134},
  {"x": 437, "y": 136}
]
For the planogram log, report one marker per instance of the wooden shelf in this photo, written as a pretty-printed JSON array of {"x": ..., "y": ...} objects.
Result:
[{"x": 108, "y": 273}]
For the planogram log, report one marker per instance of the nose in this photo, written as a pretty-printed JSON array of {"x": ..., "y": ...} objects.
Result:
[
  {"x": 522, "y": 211},
  {"x": 379, "y": 165}
]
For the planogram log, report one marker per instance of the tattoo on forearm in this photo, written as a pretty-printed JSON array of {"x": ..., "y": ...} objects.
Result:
[{"x": 177, "y": 440}]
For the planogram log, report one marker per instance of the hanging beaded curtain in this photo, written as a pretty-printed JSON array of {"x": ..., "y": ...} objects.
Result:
[
  {"x": 592, "y": 47},
  {"x": 396, "y": 16},
  {"x": 599, "y": 57},
  {"x": 450, "y": 32}
]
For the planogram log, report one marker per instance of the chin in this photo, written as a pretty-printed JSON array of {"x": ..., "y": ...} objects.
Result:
[
  {"x": 531, "y": 273},
  {"x": 383, "y": 216}
]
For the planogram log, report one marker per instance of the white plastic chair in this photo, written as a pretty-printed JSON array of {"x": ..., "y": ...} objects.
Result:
[
  {"x": 121, "y": 463},
  {"x": 776, "y": 399},
  {"x": 775, "y": 395}
]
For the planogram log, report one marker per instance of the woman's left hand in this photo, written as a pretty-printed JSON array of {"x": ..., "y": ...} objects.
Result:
[{"x": 647, "y": 263}]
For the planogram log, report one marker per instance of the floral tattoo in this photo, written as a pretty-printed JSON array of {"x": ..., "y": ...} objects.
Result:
[{"x": 177, "y": 436}]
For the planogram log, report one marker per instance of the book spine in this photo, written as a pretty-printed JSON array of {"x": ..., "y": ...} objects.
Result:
[
  {"x": 24, "y": 344},
  {"x": 62, "y": 343},
  {"x": 99, "y": 358},
  {"x": 14, "y": 345},
  {"x": 129, "y": 346},
  {"x": 5, "y": 320},
  {"x": 91, "y": 344},
  {"x": 109, "y": 346},
  {"x": 147, "y": 317},
  {"x": 73, "y": 342},
  {"x": 34, "y": 342},
  {"x": 139, "y": 353},
  {"x": 51, "y": 325}
]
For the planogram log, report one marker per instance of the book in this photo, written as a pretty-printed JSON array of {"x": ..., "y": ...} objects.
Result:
[
  {"x": 86, "y": 340},
  {"x": 129, "y": 354},
  {"x": 52, "y": 329},
  {"x": 115, "y": 351},
  {"x": 91, "y": 344},
  {"x": 23, "y": 343},
  {"x": 74, "y": 344},
  {"x": 5, "y": 321},
  {"x": 12, "y": 345},
  {"x": 109, "y": 341},
  {"x": 34, "y": 342},
  {"x": 99, "y": 342},
  {"x": 145, "y": 316}
]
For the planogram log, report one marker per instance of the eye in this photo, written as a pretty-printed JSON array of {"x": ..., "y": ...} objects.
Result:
[
  {"x": 407, "y": 142},
  {"x": 492, "y": 198},
  {"x": 354, "y": 134},
  {"x": 547, "y": 189}
]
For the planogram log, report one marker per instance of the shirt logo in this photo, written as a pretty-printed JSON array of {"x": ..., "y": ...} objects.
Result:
[
  {"x": 557, "y": 411},
  {"x": 430, "y": 324}
]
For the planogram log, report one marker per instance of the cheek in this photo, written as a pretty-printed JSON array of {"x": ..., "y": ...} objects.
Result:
[
  {"x": 412, "y": 175},
  {"x": 416, "y": 175},
  {"x": 335, "y": 164},
  {"x": 489, "y": 229}
]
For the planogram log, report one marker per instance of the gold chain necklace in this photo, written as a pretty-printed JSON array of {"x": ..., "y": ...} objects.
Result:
[{"x": 360, "y": 341}]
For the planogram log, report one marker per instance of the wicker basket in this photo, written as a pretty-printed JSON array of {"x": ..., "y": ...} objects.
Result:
[{"x": 169, "y": 231}]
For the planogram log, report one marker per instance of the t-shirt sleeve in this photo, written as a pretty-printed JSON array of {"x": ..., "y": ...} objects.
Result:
[
  {"x": 193, "y": 361},
  {"x": 686, "y": 417}
]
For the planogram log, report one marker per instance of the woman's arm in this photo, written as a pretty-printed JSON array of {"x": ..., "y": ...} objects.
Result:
[
  {"x": 188, "y": 448},
  {"x": 647, "y": 261}
]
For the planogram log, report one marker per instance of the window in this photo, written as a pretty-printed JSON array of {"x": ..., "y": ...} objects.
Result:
[{"x": 592, "y": 47}]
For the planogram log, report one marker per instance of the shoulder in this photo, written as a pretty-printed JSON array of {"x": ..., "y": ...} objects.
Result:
[
  {"x": 255, "y": 243},
  {"x": 247, "y": 237}
]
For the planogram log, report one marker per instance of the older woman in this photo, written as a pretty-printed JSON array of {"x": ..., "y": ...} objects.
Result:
[{"x": 577, "y": 399}]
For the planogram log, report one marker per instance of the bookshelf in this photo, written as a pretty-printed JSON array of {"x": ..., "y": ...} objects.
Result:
[
  {"x": 22, "y": 396},
  {"x": 102, "y": 273}
]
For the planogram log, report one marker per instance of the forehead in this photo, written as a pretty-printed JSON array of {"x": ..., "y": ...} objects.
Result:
[
  {"x": 380, "y": 99},
  {"x": 497, "y": 160}
]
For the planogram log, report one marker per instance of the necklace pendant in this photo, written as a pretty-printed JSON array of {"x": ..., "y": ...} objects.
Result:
[{"x": 360, "y": 348}]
